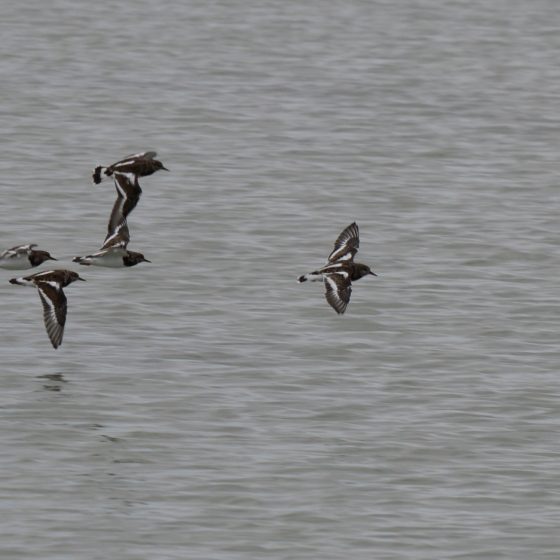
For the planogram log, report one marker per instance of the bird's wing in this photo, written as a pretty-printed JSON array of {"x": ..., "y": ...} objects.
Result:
[
  {"x": 54, "y": 310},
  {"x": 128, "y": 195},
  {"x": 346, "y": 244},
  {"x": 141, "y": 155},
  {"x": 338, "y": 290},
  {"x": 17, "y": 251},
  {"x": 119, "y": 237}
]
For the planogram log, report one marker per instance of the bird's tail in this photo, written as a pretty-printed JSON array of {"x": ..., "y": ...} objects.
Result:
[
  {"x": 312, "y": 277},
  {"x": 82, "y": 260},
  {"x": 98, "y": 174},
  {"x": 21, "y": 281}
]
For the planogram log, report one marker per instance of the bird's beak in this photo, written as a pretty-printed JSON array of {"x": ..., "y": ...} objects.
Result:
[
  {"x": 52, "y": 258},
  {"x": 165, "y": 168},
  {"x": 146, "y": 260},
  {"x": 80, "y": 278},
  {"x": 372, "y": 273}
]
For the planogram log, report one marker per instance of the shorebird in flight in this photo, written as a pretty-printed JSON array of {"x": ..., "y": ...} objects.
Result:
[
  {"x": 23, "y": 257},
  {"x": 49, "y": 285},
  {"x": 340, "y": 270}
]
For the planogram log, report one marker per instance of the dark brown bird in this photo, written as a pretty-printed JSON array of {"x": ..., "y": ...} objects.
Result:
[
  {"x": 23, "y": 257},
  {"x": 341, "y": 270},
  {"x": 134, "y": 166},
  {"x": 50, "y": 284}
]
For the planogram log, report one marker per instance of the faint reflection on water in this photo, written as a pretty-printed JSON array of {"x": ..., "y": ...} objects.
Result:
[{"x": 55, "y": 381}]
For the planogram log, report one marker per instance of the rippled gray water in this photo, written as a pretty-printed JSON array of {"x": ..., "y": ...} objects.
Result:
[{"x": 207, "y": 406}]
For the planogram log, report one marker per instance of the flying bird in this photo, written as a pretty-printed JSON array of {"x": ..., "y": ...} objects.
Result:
[
  {"x": 114, "y": 252},
  {"x": 340, "y": 270},
  {"x": 125, "y": 173},
  {"x": 23, "y": 257},
  {"x": 50, "y": 284},
  {"x": 134, "y": 166}
]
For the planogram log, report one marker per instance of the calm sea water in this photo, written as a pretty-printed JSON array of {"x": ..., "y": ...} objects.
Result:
[{"x": 207, "y": 406}]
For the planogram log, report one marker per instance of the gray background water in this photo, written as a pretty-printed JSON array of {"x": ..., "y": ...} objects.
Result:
[{"x": 209, "y": 407}]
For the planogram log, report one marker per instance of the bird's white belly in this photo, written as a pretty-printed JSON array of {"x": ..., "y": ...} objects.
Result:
[
  {"x": 110, "y": 260},
  {"x": 16, "y": 262}
]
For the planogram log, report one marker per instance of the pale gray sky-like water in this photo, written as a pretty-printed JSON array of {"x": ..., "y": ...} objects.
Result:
[{"x": 208, "y": 407}]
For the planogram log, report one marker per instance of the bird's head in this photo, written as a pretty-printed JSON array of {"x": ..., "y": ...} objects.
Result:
[{"x": 133, "y": 258}]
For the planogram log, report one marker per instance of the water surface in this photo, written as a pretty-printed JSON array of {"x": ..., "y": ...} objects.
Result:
[{"x": 209, "y": 407}]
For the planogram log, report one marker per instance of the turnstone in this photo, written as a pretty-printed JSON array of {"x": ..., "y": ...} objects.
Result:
[
  {"x": 23, "y": 257},
  {"x": 341, "y": 270},
  {"x": 50, "y": 284},
  {"x": 114, "y": 251},
  {"x": 135, "y": 165}
]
